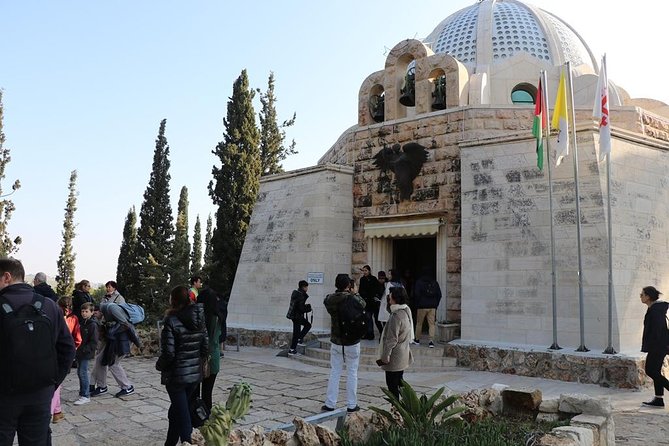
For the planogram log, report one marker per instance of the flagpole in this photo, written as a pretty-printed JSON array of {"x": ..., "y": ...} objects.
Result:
[
  {"x": 544, "y": 98},
  {"x": 609, "y": 348},
  {"x": 572, "y": 118}
]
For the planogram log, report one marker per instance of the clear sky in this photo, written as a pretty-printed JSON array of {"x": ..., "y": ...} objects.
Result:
[{"x": 87, "y": 83}]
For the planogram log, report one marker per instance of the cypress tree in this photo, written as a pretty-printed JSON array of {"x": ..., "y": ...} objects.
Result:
[
  {"x": 196, "y": 255},
  {"x": 208, "y": 251},
  {"x": 155, "y": 234},
  {"x": 66, "y": 259},
  {"x": 7, "y": 244},
  {"x": 127, "y": 269},
  {"x": 235, "y": 185},
  {"x": 181, "y": 248},
  {"x": 272, "y": 136}
]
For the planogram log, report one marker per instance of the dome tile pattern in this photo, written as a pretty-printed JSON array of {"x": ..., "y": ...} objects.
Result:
[
  {"x": 458, "y": 36},
  {"x": 516, "y": 30},
  {"x": 515, "y": 27}
]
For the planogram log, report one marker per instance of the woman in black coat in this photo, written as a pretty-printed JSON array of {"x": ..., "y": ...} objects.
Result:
[
  {"x": 655, "y": 341},
  {"x": 80, "y": 296},
  {"x": 183, "y": 347}
]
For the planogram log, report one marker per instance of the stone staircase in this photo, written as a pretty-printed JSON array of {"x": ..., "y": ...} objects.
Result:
[{"x": 317, "y": 352}]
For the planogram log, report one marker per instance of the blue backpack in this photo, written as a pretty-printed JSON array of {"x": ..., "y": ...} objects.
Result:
[{"x": 135, "y": 312}]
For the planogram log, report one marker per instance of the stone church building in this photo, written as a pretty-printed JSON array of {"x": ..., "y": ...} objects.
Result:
[{"x": 477, "y": 211}]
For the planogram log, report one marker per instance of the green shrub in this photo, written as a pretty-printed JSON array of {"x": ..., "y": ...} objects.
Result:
[
  {"x": 490, "y": 432},
  {"x": 419, "y": 413}
]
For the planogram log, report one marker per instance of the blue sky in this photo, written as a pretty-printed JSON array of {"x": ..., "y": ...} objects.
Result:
[{"x": 87, "y": 83}]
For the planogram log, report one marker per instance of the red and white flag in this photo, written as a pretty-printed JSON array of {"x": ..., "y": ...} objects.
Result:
[{"x": 601, "y": 112}]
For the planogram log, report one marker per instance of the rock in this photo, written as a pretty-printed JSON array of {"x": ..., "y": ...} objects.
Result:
[
  {"x": 281, "y": 438},
  {"x": 556, "y": 440},
  {"x": 548, "y": 417},
  {"x": 255, "y": 436},
  {"x": 357, "y": 424},
  {"x": 580, "y": 403},
  {"x": 517, "y": 402},
  {"x": 549, "y": 405},
  {"x": 305, "y": 433},
  {"x": 327, "y": 436},
  {"x": 197, "y": 438},
  {"x": 582, "y": 435},
  {"x": 491, "y": 400}
]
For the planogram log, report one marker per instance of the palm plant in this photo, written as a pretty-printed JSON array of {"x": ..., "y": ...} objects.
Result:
[{"x": 419, "y": 413}]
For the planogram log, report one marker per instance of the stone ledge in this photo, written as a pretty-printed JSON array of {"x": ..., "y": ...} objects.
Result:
[{"x": 619, "y": 371}]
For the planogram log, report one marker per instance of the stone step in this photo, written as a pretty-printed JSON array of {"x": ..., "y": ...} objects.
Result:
[
  {"x": 368, "y": 347},
  {"x": 325, "y": 363},
  {"x": 425, "y": 359}
]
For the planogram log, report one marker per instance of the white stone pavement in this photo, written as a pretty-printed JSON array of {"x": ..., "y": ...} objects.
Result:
[{"x": 284, "y": 388}]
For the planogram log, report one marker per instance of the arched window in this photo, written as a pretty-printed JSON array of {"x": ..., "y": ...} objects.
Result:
[{"x": 523, "y": 94}]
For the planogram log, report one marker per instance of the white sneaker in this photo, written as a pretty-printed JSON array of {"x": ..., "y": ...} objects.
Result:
[{"x": 82, "y": 400}]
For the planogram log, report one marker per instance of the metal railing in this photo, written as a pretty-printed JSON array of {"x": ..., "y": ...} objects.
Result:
[{"x": 339, "y": 414}]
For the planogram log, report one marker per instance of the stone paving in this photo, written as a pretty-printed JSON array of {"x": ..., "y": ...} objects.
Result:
[{"x": 284, "y": 388}]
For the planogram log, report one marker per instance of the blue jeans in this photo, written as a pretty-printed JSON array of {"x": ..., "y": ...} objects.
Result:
[
  {"x": 84, "y": 380},
  {"x": 29, "y": 421},
  {"x": 180, "y": 427}
]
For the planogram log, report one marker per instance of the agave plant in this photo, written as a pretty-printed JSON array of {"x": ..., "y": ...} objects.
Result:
[{"x": 419, "y": 413}]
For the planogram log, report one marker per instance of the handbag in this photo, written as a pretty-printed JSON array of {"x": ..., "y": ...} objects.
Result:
[{"x": 199, "y": 413}]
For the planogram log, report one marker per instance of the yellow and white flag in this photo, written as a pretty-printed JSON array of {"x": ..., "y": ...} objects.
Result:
[{"x": 560, "y": 121}]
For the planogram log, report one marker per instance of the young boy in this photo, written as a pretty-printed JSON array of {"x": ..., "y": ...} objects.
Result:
[{"x": 86, "y": 351}]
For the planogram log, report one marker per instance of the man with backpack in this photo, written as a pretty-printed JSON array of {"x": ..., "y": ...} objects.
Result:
[
  {"x": 118, "y": 333},
  {"x": 36, "y": 354},
  {"x": 349, "y": 325},
  {"x": 426, "y": 295}
]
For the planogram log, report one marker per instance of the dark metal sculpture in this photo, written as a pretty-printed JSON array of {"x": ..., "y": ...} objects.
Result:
[{"x": 405, "y": 162}]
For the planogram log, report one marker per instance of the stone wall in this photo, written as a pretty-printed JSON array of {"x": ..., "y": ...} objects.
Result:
[
  {"x": 621, "y": 371},
  {"x": 301, "y": 224}
]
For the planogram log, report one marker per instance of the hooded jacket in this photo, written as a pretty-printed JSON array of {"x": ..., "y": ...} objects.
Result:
[
  {"x": 298, "y": 303},
  {"x": 184, "y": 344},
  {"x": 655, "y": 333},
  {"x": 332, "y": 302}
]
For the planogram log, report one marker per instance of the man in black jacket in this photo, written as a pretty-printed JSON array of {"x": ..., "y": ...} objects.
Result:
[
  {"x": 426, "y": 295},
  {"x": 43, "y": 288},
  {"x": 296, "y": 310},
  {"x": 28, "y": 414},
  {"x": 370, "y": 290}
]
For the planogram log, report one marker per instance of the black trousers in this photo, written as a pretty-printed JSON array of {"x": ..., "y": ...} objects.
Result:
[
  {"x": 180, "y": 426},
  {"x": 30, "y": 421},
  {"x": 394, "y": 382},
  {"x": 298, "y": 331},
  {"x": 205, "y": 390},
  {"x": 379, "y": 324},
  {"x": 370, "y": 322},
  {"x": 654, "y": 362}
]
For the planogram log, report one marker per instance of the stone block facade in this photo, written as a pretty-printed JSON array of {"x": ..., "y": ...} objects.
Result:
[{"x": 301, "y": 224}]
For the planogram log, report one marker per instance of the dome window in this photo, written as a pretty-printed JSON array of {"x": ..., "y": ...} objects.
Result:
[{"x": 523, "y": 94}]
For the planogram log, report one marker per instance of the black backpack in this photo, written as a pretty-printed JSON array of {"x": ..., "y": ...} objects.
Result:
[
  {"x": 28, "y": 360},
  {"x": 352, "y": 320}
]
